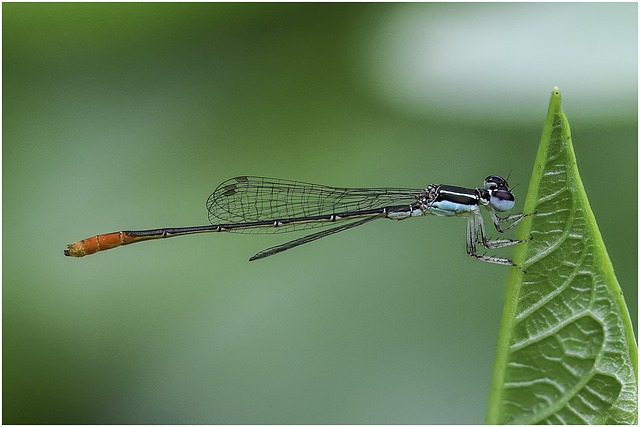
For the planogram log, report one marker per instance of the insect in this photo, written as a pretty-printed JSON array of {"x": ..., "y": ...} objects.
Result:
[{"x": 250, "y": 204}]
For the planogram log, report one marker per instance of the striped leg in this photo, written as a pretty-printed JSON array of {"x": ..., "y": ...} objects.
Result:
[
  {"x": 476, "y": 234},
  {"x": 515, "y": 218}
]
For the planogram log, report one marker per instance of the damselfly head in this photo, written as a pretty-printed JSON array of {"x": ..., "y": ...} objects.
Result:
[{"x": 501, "y": 198}]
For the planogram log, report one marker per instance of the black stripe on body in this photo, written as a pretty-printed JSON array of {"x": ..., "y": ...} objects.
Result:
[{"x": 460, "y": 195}]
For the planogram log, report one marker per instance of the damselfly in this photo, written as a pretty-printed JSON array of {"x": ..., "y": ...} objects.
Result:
[{"x": 247, "y": 204}]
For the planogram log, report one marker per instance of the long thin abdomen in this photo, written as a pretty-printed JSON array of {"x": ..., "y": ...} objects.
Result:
[{"x": 102, "y": 242}]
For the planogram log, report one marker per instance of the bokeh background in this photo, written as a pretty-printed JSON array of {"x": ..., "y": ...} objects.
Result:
[{"x": 126, "y": 116}]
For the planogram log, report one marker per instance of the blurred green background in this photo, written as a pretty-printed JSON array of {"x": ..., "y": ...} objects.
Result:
[{"x": 126, "y": 116}]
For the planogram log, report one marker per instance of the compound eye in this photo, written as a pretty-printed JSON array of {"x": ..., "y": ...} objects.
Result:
[
  {"x": 493, "y": 182},
  {"x": 502, "y": 200},
  {"x": 490, "y": 183}
]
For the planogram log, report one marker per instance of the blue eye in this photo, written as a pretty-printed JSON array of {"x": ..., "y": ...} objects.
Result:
[{"x": 502, "y": 200}]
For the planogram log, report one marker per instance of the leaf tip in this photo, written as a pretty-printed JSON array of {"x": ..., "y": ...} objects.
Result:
[{"x": 556, "y": 100}]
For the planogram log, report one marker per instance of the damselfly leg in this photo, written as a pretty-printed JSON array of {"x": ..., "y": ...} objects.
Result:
[
  {"x": 476, "y": 234},
  {"x": 512, "y": 220}
]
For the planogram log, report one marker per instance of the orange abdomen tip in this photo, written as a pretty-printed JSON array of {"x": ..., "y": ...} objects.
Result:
[{"x": 95, "y": 244}]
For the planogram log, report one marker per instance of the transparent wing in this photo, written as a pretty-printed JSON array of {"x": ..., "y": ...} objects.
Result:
[{"x": 251, "y": 199}]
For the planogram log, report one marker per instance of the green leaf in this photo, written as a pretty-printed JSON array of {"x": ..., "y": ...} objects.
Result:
[{"x": 566, "y": 349}]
